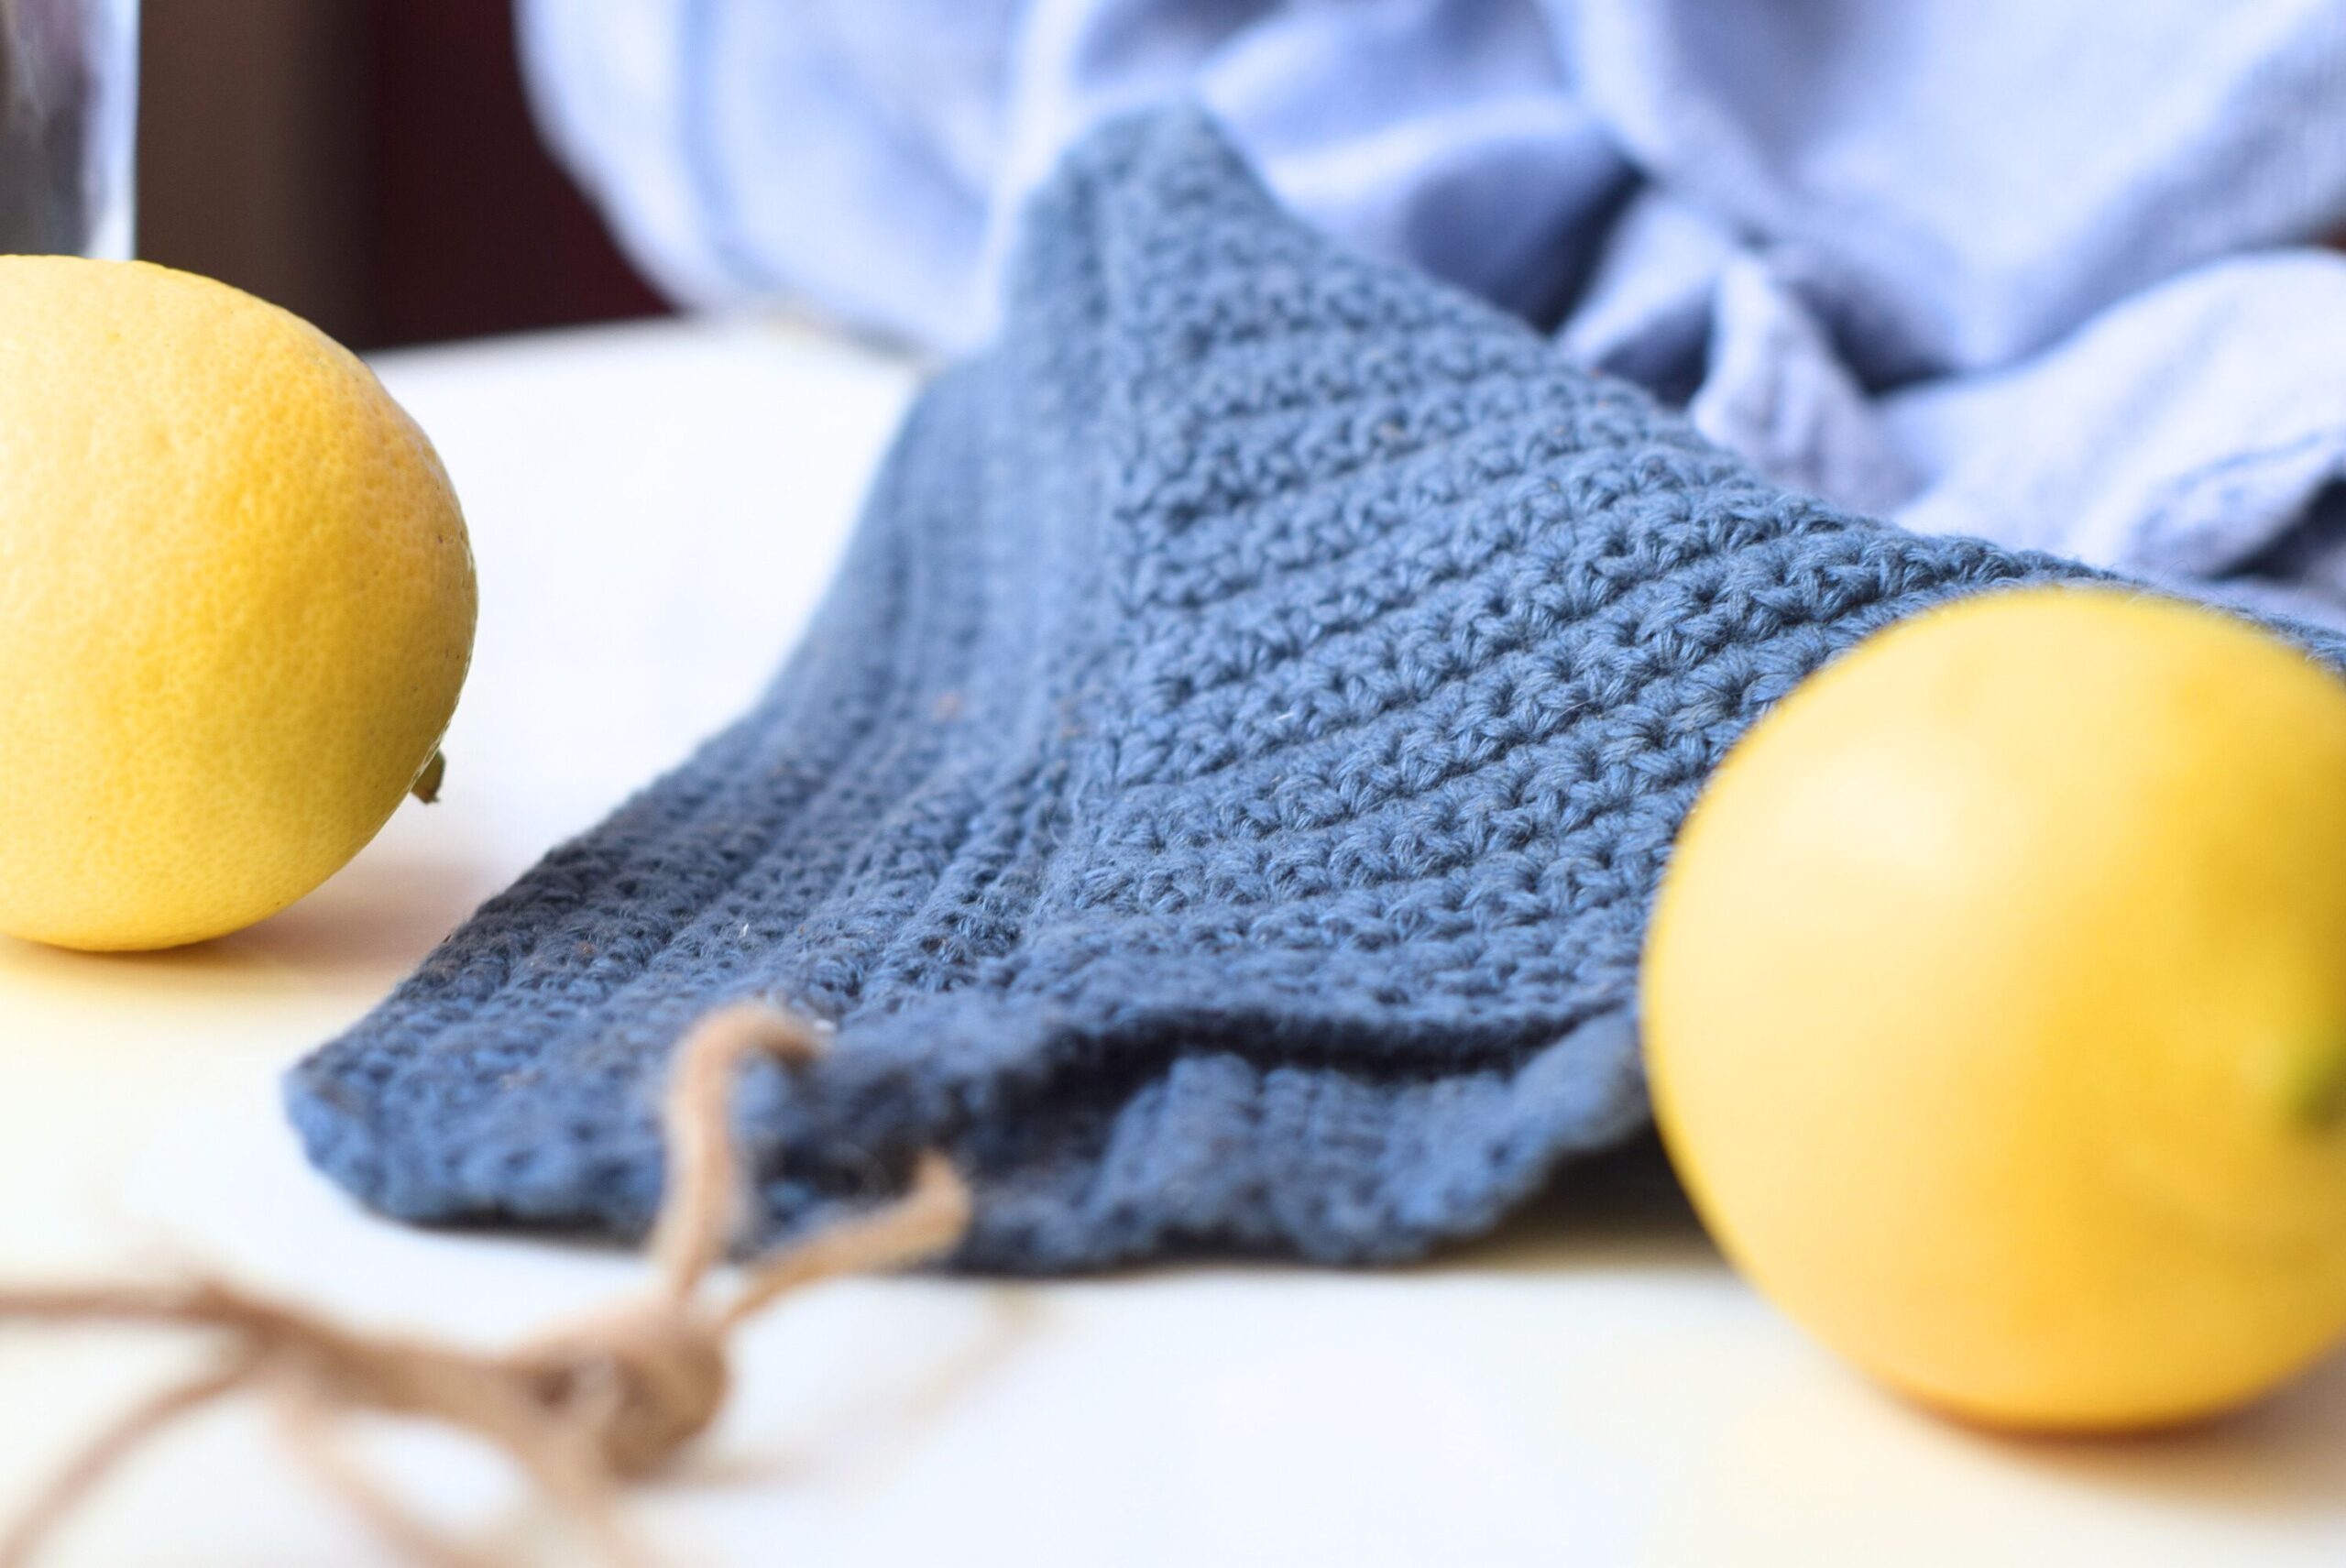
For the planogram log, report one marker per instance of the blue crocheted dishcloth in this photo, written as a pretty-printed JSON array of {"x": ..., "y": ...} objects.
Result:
[{"x": 1219, "y": 800}]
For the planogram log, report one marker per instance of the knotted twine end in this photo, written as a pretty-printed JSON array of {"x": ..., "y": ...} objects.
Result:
[{"x": 580, "y": 1410}]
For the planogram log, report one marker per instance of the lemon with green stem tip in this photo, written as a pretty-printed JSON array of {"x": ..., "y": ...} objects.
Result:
[
  {"x": 1995, "y": 1006},
  {"x": 236, "y": 605}
]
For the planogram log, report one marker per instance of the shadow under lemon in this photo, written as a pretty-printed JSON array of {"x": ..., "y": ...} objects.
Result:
[{"x": 354, "y": 937}]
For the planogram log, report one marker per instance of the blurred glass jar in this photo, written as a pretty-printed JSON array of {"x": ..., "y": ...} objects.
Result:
[{"x": 71, "y": 72}]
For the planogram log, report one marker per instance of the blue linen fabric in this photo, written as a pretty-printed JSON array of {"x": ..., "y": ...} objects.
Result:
[
  {"x": 1219, "y": 802},
  {"x": 2040, "y": 274}
]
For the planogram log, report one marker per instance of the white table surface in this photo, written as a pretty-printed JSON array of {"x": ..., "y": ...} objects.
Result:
[{"x": 654, "y": 510}]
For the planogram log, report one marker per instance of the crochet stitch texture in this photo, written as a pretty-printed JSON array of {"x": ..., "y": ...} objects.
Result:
[{"x": 1219, "y": 802}]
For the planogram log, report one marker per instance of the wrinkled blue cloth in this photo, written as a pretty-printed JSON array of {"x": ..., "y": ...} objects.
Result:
[
  {"x": 1218, "y": 803},
  {"x": 1995, "y": 267}
]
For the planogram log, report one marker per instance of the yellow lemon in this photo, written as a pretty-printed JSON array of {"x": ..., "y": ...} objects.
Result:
[
  {"x": 235, "y": 605},
  {"x": 1995, "y": 1006}
]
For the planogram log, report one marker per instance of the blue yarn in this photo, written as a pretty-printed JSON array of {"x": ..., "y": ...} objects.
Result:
[{"x": 1219, "y": 800}]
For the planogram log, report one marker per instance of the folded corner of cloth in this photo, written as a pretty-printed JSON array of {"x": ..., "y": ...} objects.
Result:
[{"x": 1218, "y": 801}]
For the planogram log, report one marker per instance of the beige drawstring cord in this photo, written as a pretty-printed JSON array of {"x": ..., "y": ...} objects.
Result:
[{"x": 581, "y": 1410}]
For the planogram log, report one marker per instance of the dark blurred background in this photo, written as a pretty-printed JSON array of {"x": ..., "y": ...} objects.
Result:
[{"x": 369, "y": 164}]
